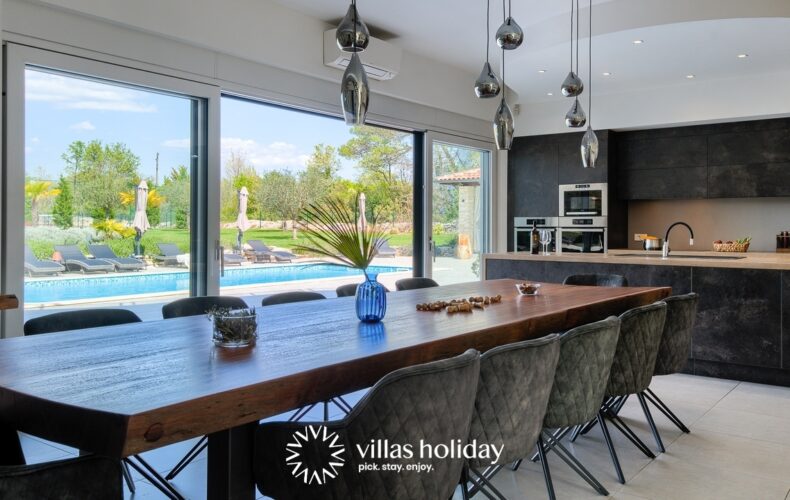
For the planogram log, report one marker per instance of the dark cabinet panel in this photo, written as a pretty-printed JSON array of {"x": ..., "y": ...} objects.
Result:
[
  {"x": 738, "y": 148},
  {"x": 663, "y": 152},
  {"x": 747, "y": 181},
  {"x": 663, "y": 183},
  {"x": 532, "y": 180},
  {"x": 739, "y": 319},
  {"x": 786, "y": 320}
]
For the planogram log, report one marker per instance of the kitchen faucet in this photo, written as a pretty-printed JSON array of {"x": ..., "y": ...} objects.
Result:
[{"x": 665, "y": 250}]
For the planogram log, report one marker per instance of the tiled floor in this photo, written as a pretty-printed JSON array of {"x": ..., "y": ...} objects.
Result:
[{"x": 739, "y": 448}]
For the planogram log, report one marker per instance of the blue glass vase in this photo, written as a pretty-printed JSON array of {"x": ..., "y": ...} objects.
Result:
[{"x": 371, "y": 299}]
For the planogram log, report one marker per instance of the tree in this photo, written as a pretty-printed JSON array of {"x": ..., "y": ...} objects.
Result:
[
  {"x": 36, "y": 191},
  {"x": 176, "y": 191},
  {"x": 279, "y": 195},
  {"x": 63, "y": 211},
  {"x": 385, "y": 161}
]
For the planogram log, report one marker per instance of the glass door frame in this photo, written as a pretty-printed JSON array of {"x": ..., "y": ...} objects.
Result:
[
  {"x": 487, "y": 186},
  {"x": 204, "y": 165}
]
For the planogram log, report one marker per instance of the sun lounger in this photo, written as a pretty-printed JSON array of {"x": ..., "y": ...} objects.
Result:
[
  {"x": 264, "y": 252},
  {"x": 170, "y": 254},
  {"x": 121, "y": 263},
  {"x": 75, "y": 260},
  {"x": 34, "y": 265},
  {"x": 232, "y": 259},
  {"x": 385, "y": 250}
]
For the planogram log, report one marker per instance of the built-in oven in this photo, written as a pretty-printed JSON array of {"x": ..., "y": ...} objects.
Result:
[
  {"x": 522, "y": 232},
  {"x": 583, "y": 200},
  {"x": 583, "y": 235}
]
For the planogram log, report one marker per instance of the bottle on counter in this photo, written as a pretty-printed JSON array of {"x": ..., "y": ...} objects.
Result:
[{"x": 534, "y": 239}]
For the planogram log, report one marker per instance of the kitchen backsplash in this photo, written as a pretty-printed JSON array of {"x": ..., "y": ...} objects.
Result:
[{"x": 712, "y": 219}]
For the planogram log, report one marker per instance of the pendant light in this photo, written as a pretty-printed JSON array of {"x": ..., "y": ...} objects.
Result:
[
  {"x": 354, "y": 89},
  {"x": 509, "y": 36},
  {"x": 589, "y": 147},
  {"x": 487, "y": 84},
  {"x": 573, "y": 85},
  {"x": 575, "y": 117},
  {"x": 503, "y": 118},
  {"x": 352, "y": 34}
]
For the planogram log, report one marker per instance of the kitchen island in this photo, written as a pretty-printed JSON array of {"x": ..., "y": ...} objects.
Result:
[{"x": 743, "y": 322}]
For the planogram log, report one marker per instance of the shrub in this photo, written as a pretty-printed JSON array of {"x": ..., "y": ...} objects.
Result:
[{"x": 42, "y": 240}]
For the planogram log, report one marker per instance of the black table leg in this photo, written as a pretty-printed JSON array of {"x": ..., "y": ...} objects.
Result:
[{"x": 230, "y": 464}]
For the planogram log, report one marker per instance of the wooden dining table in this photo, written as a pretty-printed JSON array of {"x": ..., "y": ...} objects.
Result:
[{"x": 126, "y": 389}]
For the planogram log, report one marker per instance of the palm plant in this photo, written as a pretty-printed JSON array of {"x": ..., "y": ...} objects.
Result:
[
  {"x": 37, "y": 191},
  {"x": 334, "y": 230}
]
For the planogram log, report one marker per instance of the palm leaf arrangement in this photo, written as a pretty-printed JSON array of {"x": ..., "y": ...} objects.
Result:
[{"x": 333, "y": 230}]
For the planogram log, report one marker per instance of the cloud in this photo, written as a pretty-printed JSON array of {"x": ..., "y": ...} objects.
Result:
[
  {"x": 263, "y": 156},
  {"x": 84, "y": 125},
  {"x": 74, "y": 93}
]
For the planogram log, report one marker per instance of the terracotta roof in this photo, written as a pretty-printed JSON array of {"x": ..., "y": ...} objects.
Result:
[{"x": 464, "y": 177}]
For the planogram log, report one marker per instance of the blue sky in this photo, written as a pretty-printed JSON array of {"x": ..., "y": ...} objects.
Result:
[{"x": 61, "y": 109}]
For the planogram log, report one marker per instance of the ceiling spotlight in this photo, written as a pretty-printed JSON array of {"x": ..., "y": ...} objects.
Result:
[
  {"x": 743, "y": 56},
  {"x": 541, "y": 71},
  {"x": 606, "y": 73},
  {"x": 638, "y": 42},
  {"x": 690, "y": 77},
  {"x": 549, "y": 93}
]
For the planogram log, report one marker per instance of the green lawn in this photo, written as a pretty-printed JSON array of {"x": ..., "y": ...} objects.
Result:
[{"x": 272, "y": 237}]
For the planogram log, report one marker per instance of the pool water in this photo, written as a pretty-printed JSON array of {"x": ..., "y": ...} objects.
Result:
[{"x": 118, "y": 285}]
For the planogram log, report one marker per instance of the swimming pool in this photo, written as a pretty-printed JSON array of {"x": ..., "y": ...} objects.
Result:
[{"x": 118, "y": 285}]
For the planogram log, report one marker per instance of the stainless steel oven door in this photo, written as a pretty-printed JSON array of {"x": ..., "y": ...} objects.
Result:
[
  {"x": 583, "y": 200},
  {"x": 582, "y": 240}
]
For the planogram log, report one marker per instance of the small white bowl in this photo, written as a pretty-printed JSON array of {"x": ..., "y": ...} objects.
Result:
[{"x": 531, "y": 288}]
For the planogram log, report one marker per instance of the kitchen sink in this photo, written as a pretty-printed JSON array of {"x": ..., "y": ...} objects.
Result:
[{"x": 671, "y": 256}]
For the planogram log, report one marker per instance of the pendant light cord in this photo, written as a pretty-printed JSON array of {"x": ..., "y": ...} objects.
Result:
[
  {"x": 488, "y": 27},
  {"x": 572, "y": 35},
  {"x": 577, "y": 39},
  {"x": 589, "y": 85},
  {"x": 504, "y": 86}
]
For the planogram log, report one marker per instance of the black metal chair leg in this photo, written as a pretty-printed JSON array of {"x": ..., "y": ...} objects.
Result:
[
  {"x": 577, "y": 467},
  {"x": 558, "y": 435},
  {"x": 651, "y": 422},
  {"x": 342, "y": 404},
  {"x": 153, "y": 477},
  {"x": 663, "y": 408},
  {"x": 546, "y": 473},
  {"x": 188, "y": 458},
  {"x": 479, "y": 487},
  {"x": 610, "y": 445},
  {"x": 613, "y": 403},
  {"x": 127, "y": 476},
  {"x": 301, "y": 412},
  {"x": 464, "y": 480},
  {"x": 621, "y": 426},
  {"x": 487, "y": 487}
]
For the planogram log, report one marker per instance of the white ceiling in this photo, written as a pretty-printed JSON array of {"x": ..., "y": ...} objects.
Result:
[{"x": 702, "y": 37}]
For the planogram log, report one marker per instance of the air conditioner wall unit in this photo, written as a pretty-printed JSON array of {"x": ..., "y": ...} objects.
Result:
[{"x": 381, "y": 59}]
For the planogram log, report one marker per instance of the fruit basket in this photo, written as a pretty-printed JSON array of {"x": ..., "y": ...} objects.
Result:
[{"x": 741, "y": 245}]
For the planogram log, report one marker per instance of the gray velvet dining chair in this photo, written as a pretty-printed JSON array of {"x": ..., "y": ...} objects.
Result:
[
  {"x": 641, "y": 329},
  {"x": 675, "y": 347},
  {"x": 350, "y": 290},
  {"x": 93, "y": 318},
  {"x": 610, "y": 280},
  {"x": 512, "y": 397},
  {"x": 289, "y": 297},
  {"x": 87, "y": 477},
  {"x": 194, "y": 306},
  {"x": 586, "y": 354},
  {"x": 414, "y": 283},
  {"x": 432, "y": 402}
]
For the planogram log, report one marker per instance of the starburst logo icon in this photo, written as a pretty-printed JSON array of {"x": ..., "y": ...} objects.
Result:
[{"x": 331, "y": 443}]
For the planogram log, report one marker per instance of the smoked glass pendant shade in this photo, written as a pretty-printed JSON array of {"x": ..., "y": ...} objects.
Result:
[
  {"x": 503, "y": 126},
  {"x": 509, "y": 36},
  {"x": 487, "y": 84},
  {"x": 575, "y": 118},
  {"x": 589, "y": 148},
  {"x": 352, "y": 35},
  {"x": 354, "y": 92}
]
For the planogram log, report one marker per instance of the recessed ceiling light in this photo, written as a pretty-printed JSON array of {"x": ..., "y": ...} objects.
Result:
[
  {"x": 743, "y": 56},
  {"x": 550, "y": 93},
  {"x": 606, "y": 73},
  {"x": 541, "y": 71},
  {"x": 690, "y": 77},
  {"x": 638, "y": 42}
]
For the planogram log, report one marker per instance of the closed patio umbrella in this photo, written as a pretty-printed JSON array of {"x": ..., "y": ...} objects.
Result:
[
  {"x": 140, "y": 222},
  {"x": 242, "y": 223},
  {"x": 363, "y": 221}
]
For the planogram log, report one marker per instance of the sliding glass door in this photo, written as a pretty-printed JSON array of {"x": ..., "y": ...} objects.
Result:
[
  {"x": 458, "y": 207},
  {"x": 108, "y": 187}
]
